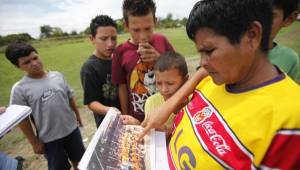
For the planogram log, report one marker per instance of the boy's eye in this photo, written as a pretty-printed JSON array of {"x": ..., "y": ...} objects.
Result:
[
  {"x": 114, "y": 38},
  {"x": 103, "y": 38},
  {"x": 206, "y": 51},
  {"x": 209, "y": 51},
  {"x": 135, "y": 30},
  {"x": 170, "y": 83},
  {"x": 26, "y": 62}
]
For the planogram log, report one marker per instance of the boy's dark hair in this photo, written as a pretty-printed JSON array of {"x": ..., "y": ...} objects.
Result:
[
  {"x": 16, "y": 50},
  {"x": 171, "y": 60},
  {"x": 101, "y": 21},
  {"x": 231, "y": 18},
  {"x": 138, "y": 8},
  {"x": 288, "y": 6}
]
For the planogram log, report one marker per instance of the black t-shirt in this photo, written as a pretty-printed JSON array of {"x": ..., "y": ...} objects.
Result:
[{"x": 95, "y": 77}]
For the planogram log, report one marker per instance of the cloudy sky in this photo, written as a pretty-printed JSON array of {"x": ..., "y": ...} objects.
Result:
[{"x": 19, "y": 16}]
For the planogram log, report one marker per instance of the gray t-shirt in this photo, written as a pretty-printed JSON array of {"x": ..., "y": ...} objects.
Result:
[{"x": 48, "y": 98}]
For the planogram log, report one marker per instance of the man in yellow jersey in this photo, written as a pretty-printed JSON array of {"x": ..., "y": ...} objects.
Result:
[{"x": 246, "y": 114}]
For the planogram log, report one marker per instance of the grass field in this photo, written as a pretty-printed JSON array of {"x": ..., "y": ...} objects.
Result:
[{"x": 67, "y": 56}]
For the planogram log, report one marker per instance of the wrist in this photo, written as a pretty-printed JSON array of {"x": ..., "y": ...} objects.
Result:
[{"x": 34, "y": 141}]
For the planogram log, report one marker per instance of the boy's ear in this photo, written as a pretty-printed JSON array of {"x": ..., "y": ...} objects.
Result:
[
  {"x": 186, "y": 77},
  {"x": 290, "y": 19},
  {"x": 91, "y": 38},
  {"x": 254, "y": 35},
  {"x": 155, "y": 20}
]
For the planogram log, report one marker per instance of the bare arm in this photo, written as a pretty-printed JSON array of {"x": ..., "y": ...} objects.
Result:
[
  {"x": 75, "y": 109},
  {"x": 37, "y": 145},
  {"x": 98, "y": 107},
  {"x": 159, "y": 116},
  {"x": 123, "y": 97}
]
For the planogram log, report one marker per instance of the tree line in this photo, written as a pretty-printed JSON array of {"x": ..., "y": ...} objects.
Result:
[{"x": 47, "y": 31}]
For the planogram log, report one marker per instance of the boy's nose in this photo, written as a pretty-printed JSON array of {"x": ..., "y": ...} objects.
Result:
[
  {"x": 34, "y": 62},
  {"x": 111, "y": 43},
  {"x": 203, "y": 61},
  {"x": 143, "y": 38},
  {"x": 164, "y": 89}
]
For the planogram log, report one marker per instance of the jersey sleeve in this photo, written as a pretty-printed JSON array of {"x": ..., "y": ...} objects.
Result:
[
  {"x": 283, "y": 152},
  {"x": 17, "y": 96},
  {"x": 294, "y": 71},
  {"x": 168, "y": 45}
]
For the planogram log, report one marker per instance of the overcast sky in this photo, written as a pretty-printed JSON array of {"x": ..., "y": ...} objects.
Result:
[{"x": 19, "y": 16}]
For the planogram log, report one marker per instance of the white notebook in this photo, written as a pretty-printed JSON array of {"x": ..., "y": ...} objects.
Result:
[{"x": 13, "y": 115}]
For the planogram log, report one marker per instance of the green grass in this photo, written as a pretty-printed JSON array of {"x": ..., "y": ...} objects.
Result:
[{"x": 67, "y": 56}]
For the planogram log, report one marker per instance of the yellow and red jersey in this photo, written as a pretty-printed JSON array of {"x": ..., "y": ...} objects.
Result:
[{"x": 256, "y": 128}]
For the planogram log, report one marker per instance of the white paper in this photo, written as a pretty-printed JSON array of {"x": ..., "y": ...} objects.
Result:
[
  {"x": 13, "y": 115},
  {"x": 161, "y": 160}
]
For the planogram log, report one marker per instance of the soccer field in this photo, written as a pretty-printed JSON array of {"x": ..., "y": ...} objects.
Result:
[{"x": 67, "y": 56}]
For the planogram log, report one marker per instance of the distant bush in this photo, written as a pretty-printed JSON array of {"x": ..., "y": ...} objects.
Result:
[{"x": 22, "y": 37}]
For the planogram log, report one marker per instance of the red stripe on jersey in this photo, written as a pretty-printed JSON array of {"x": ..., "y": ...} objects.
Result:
[
  {"x": 171, "y": 164},
  {"x": 177, "y": 119},
  {"x": 284, "y": 152},
  {"x": 215, "y": 135}
]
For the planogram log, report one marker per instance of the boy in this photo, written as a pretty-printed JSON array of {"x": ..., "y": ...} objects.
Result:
[
  {"x": 171, "y": 73},
  {"x": 285, "y": 12},
  {"x": 54, "y": 112},
  {"x": 99, "y": 93},
  {"x": 132, "y": 66}
]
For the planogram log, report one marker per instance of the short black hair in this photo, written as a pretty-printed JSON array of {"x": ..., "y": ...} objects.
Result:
[
  {"x": 16, "y": 50},
  {"x": 101, "y": 21},
  {"x": 231, "y": 18},
  {"x": 288, "y": 6},
  {"x": 138, "y": 8},
  {"x": 171, "y": 60}
]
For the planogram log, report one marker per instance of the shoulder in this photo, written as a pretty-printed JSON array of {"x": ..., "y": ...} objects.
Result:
[
  {"x": 284, "y": 51},
  {"x": 287, "y": 88},
  {"x": 55, "y": 74},
  {"x": 159, "y": 37},
  {"x": 88, "y": 64},
  {"x": 156, "y": 97},
  {"x": 284, "y": 96},
  {"x": 207, "y": 81},
  {"x": 124, "y": 52},
  {"x": 18, "y": 85},
  {"x": 153, "y": 101},
  {"x": 124, "y": 46}
]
